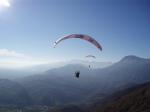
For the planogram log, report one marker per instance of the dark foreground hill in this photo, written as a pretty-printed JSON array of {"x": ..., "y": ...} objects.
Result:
[{"x": 135, "y": 99}]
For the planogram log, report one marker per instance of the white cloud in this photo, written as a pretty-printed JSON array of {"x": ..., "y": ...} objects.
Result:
[
  {"x": 11, "y": 53},
  {"x": 13, "y": 59}
]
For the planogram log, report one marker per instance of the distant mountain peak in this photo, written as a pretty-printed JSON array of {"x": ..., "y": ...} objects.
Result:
[{"x": 131, "y": 58}]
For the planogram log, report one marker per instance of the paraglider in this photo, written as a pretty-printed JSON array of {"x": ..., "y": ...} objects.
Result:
[
  {"x": 82, "y": 37},
  {"x": 79, "y": 36},
  {"x": 90, "y": 56}
]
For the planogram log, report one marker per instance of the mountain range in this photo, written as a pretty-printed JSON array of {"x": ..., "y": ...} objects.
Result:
[{"x": 58, "y": 86}]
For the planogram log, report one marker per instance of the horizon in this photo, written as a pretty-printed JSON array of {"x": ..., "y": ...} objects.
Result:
[
  {"x": 28, "y": 30},
  {"x": 58, "y": 64}
]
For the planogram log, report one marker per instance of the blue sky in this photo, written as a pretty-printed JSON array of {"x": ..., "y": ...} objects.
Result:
[{"x": 28, "y": 28}]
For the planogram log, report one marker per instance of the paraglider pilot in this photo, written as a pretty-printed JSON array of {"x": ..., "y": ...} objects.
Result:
[
  {"x": 77, "y": 74},
  {"x": 89, "y": 66}
]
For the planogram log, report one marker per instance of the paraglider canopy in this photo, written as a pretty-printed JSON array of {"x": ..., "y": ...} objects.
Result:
[
  {"x": 80, "y": 36},
  {"x": 90, "y": 56}
]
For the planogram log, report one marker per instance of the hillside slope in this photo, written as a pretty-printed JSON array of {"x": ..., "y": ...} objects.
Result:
[
  {"x": 12, "y": 93},
  {"x": 136, "y": 99}
]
